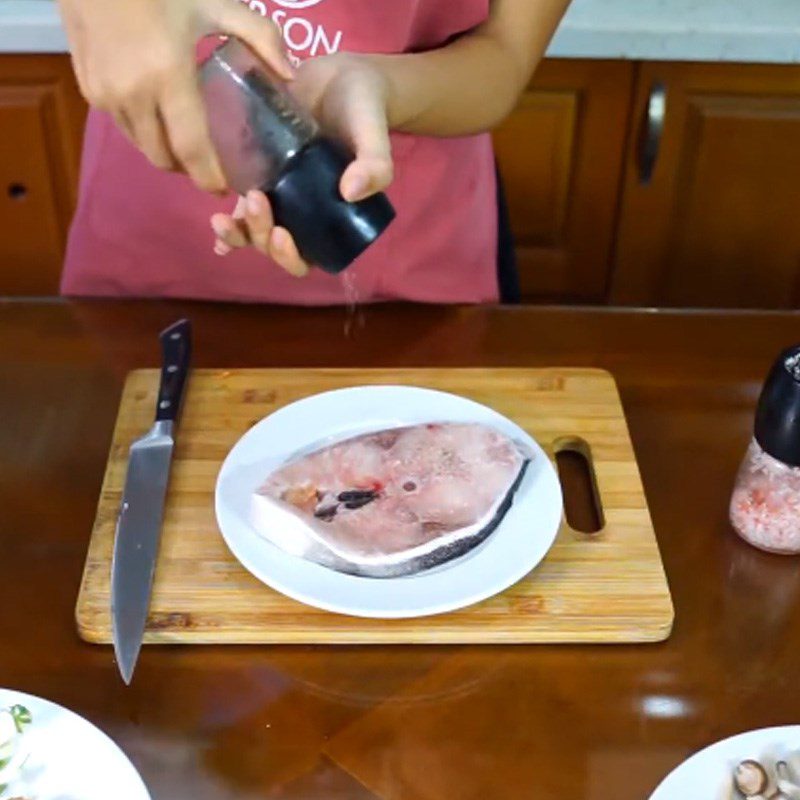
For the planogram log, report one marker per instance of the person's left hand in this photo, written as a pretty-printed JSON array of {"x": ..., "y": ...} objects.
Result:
[{"x": 348, "y": 95}]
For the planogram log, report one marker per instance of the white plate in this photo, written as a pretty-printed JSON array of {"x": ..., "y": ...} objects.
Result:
[
  {"x": 708, "y": 775},
  {"x": 511, "y": 552},
  {"x": 68, "y": 758}
]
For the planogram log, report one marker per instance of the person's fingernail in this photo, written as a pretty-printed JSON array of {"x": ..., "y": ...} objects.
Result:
[
  {"x": 221, "y": 249},
  {"x": 356, "y": 187},
  {"x": 254, "y": 205},
  {"x": 279, "y": 241},
  {"x": 220, "y": 226}
]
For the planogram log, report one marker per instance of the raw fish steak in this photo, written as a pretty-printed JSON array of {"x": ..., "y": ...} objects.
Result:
[{"x": 393, "y": 502}]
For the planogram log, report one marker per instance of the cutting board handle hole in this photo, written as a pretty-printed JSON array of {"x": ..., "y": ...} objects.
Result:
[{"x": 582, "y": 505}]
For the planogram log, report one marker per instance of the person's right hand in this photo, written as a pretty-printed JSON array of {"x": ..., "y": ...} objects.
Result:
[{"x": 136, "y": 60}]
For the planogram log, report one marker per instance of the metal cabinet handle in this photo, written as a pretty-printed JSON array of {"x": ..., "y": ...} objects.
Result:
[{"x": 652, "y": 132}]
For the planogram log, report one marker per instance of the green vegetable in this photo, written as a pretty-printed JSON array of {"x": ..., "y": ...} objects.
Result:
[{"x": 22, "y": 717}]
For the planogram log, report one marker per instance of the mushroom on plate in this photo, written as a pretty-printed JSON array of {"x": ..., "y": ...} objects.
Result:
[{"x": 751, "y": 779}]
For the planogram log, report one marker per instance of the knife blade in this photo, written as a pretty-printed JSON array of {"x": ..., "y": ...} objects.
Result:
[{"x": 141, "y": 513}]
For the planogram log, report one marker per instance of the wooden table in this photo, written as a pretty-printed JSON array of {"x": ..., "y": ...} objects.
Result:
[{"x": 590, "y": 723}]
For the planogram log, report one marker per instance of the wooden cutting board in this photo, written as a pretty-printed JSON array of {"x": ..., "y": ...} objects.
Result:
[{"x": 605, "y": 587}]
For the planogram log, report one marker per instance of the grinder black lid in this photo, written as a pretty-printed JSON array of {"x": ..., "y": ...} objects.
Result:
[
  {"x": 329, "y": 231},
  {"x": 777, "y": 427}
]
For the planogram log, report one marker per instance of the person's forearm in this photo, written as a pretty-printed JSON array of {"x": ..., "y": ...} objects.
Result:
[{"x": 470, "y": 85}]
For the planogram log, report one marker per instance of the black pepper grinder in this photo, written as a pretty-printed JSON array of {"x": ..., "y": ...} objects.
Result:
[
  {"x": 765, "y": 507},
  {"x": 266, "y": 140}
]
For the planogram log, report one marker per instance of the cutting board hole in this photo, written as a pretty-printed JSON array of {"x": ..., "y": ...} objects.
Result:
[{"x": 582, "y": 505}]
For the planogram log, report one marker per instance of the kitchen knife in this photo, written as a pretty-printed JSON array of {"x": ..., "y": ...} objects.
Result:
[{"x": 142, "y": 509}]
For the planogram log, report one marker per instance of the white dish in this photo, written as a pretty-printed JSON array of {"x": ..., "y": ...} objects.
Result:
[
  {"x": 68, "y": 758},
  {"x": 511, "y": 552},
  {"x": 708, "y": 775}
]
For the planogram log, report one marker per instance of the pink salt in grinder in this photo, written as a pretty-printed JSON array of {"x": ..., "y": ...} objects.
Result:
[{"x": 765, "y": 507}]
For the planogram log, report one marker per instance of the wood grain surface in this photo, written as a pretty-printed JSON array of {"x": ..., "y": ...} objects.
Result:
[
  {"x": 604, "y": 587},
  {"x": 403, "y": 722}
]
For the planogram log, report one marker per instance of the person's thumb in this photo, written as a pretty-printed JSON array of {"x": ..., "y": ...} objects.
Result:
[
  {"x": 369, "y": 174},
  {"x": 233, "y": 18},
  {"x": 362, "y": 124}
]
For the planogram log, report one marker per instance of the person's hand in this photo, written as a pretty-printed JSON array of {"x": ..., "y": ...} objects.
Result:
[
  {"x": 348, "y": 95},
  {"x": 136, "y": 60}
]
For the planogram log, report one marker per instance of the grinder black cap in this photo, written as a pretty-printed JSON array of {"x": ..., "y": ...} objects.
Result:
[
  {"x": 330, "y": 232},
  {"x": 777, "y": 427}
]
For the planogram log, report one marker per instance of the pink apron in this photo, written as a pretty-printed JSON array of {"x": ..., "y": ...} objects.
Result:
[{"x": 140, "y": 232}]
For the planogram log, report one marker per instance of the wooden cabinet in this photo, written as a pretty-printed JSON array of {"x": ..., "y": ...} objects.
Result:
[
  {"x": 717, "y": 225},
  {"x": 561, "y": 155},
  {"x": 41, "y": 119}
]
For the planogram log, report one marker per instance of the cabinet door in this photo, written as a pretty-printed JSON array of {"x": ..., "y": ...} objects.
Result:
[
  {"x": 717, "y": 225},
  {"x": 560, "y": 155},
  {"x": 41, "y": 119}
]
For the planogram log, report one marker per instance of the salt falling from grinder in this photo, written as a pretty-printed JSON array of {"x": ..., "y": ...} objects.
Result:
[
  {"x": 765, "y": 507},
  {"x": 266, "y": 140}
]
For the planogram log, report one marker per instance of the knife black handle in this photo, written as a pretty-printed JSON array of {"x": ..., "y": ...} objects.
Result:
[{"x": 176, "y": 350}]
